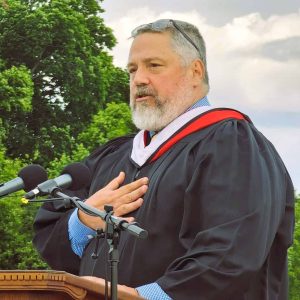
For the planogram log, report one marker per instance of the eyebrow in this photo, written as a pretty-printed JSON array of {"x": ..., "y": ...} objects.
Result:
[{"x": 146, "y": 60}]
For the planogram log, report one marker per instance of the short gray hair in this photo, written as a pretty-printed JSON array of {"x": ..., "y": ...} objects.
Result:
[{"x": 187, "y": 41}]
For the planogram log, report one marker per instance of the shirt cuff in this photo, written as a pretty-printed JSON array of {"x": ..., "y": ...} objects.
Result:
[
  {"x": 152, "y": 291},
  {"x": 79, "y": 234}
]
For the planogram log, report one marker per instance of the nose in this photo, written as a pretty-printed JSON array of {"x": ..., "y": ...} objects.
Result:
[{"x": 140, "y": 77}]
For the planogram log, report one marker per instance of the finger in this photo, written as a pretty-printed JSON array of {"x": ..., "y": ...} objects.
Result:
[
  {"x": 127, "y": 219},
  {"x": 130, "y": 187},
  {"x": 132, "y": 196},
  {"x": 128, "y": 208},
  {"x": 116, "y": 182}
]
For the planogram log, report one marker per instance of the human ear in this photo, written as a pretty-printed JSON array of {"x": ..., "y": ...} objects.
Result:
[{"x": 198, "y": 70}]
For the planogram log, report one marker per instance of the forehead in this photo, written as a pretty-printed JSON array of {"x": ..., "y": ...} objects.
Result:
[{"x": 152, "y": 45}]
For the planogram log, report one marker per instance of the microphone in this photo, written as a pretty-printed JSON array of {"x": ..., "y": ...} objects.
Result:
[
  {"x": 28, "y": 177},
  {"x": 74, "y": 177}
]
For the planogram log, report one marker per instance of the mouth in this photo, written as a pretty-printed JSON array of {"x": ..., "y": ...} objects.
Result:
[
  {"x": 142, "y": 97},
  {"x": 144, "y": 94}
]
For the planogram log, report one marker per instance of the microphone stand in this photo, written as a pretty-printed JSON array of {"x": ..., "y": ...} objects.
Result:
[
  {"x": 113, "y": 229},
  {"x": 112, "y": 236}
]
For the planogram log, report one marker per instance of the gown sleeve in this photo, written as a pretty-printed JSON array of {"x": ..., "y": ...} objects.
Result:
[
  {"x": 52, "y": 241},
  {"x": 238, "y": 214},
  {"x": 51, "y": 237}
]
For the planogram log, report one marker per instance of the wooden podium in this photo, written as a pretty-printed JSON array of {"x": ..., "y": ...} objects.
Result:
[{"x": 51, "y": 285}]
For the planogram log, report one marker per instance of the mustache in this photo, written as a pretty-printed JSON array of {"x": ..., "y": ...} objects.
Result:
[{"x": 142, "y": 91}]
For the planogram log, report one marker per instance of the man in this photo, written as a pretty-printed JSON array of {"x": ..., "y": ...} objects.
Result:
[{"x": 209, "y": 188}]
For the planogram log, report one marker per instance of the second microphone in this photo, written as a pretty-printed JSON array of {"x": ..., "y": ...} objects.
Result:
[{"x": 74, "y": 177}]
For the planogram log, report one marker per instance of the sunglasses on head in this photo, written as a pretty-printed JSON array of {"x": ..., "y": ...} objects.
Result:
[{"x": 163, "y": 24}]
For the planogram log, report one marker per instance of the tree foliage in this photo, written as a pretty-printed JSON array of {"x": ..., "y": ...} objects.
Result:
[
  {"x": 107, "y": 124},
  {"x": 60, "y": 47},
  {"x": 16, "y": 251},
  {"x": 16, "y": 90},
  {"x": 55, "y": 78},
  {"x": 294, "y": 257}
]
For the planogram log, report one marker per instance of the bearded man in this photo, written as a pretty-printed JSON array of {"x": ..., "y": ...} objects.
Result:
[{"x": 209, "y": 188}]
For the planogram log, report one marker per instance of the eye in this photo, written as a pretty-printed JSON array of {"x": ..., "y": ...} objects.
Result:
[
  {"x": 155, "y": 65},
  {"x": 131, "y": 70}
]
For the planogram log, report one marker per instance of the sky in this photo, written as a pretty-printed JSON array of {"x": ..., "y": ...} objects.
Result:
[{"x": 253, "y": 57}]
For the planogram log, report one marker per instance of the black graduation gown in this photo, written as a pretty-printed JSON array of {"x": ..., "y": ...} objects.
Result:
[{"x": 219, "y": 212}]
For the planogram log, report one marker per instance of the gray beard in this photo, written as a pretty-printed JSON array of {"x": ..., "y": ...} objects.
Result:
[
  {"x": 148, "y": 118},
  {"x": 155, "y": 118},
  {"x": 163, "y": 111}
]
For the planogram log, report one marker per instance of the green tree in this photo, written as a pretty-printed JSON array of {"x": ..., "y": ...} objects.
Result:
[
  {"x": 77, "y": 155},
  {"x": 16, "y": 90},
  {"x": 107, "y": 124},
  {"x": 55, "y": 75},
  {"x": 62, "y": 43},
  {"x": 16, "y": 250},
  {"x": 294, "y": 258},
  {"x": 119, "y": 87}
]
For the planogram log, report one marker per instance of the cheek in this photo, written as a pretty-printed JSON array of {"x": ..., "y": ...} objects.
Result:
[
  {"x": 132, "y": 89},
  {"x": 167, "y": 87},
  {"x": 164, "y": 82},
  {"x": 131, "y": 85}
]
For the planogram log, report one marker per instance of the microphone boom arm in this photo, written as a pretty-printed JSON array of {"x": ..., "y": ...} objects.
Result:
[{"x": 107, "y": 217}]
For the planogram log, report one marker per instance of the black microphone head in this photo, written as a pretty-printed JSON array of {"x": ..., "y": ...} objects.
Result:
[
  {"x": 80, "y": 173},
  {"x": 32, "y": 175}
]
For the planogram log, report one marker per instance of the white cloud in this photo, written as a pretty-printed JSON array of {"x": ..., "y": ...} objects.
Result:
[
  {"x": 251, "y": 31},
  {"x": 241, "y": 73}
]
